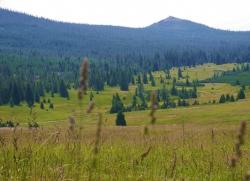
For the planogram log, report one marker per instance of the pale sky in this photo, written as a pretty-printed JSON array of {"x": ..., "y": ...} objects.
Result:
[{"x": 223, "y": 14}]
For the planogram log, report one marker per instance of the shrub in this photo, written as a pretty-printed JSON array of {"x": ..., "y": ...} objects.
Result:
[
  {"x": 51, "y": 106},
  {"x": 8, "y": 124},
  {"x": 33, "y": 124}
]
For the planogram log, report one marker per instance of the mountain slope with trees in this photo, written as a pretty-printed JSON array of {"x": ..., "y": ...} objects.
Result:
[{"x": 165, "y": 39}]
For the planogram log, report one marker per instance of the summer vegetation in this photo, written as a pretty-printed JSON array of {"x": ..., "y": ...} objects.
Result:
[{"x": 166, "y": 127}]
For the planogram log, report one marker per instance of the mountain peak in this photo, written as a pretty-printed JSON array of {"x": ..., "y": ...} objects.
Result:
[
  {"x": 169, "y": 19},
  {"x": 177, "y": 24}
]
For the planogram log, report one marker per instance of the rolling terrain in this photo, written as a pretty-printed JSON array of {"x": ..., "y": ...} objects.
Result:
[
  {"x": 21, "y": 33},
  {"x": 184, "y": 143},
  {"x": 180, "y": 88}
]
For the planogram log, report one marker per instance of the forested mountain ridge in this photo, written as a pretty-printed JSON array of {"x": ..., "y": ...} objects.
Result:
[{"x": 25, "y": 33}]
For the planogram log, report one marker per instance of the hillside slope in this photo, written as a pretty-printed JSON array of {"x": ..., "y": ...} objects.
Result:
[{"x": 27, "y": 33}]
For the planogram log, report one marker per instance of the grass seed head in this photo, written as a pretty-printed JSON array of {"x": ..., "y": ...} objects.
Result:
[
  {"x": 153, "y": 100},
  {"x": 91, "y": 106},
  {"x": 83, "y": 78},
  {"x": 247, "y": 176},
  {"x": 233, "y": 162},
  {"x": 72, "y": 123}
]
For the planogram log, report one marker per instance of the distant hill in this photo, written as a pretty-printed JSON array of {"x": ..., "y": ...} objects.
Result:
[{"x": 24, "y": 33}]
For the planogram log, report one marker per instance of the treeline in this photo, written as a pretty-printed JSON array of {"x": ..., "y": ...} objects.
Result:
[
  {"x": 42, "y": 74},
  {"x": 14, "y": 92},
  {"x": 28, "y": 79},
  {"x": 239, "y": 75},
  {"x": 232, "y": 98},
  {"x": 164, "y": 97}
]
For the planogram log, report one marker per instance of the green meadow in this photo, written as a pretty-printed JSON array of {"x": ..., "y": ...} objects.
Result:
[
  {"x": 63, "y": 108},
  {"x": 197, "y": 142}
]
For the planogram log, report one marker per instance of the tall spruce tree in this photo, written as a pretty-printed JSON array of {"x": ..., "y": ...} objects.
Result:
[
  {"x": 145, "y": 78},
  {"x": 117, "y": 104},
  {"x": 124, "y": 83},
  {"x": 15, "y": 94},
  {"x": 63, "y": 90},
  {"x": 241, "y": 94},
  {"x": 165, "y": 97},
  {"x": 120, "y": 119},
  {"x": 29, "y": 96},
  {"x": 222, "y": 99},
  {"x": 179, "y": 73}
]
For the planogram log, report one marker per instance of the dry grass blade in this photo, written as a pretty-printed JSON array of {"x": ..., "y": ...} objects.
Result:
[
  {"x": 247, "y": 176},
  {"x": 238, "y": 144},
  {"x": 91, "y": 106},
  {"x": 173, "y": 165},
  {"x": 72, "y": 123},
  {"x": 98, "y": 135},
  {"x": 83, "y": 85},
  {"x": 153, "y": 100},
  {"x": 145, "y": 154}
]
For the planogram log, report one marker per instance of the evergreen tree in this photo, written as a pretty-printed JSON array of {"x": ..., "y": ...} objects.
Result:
[
  {"x": 179, "y": 73},
  {"x": 174, "y": 90},
  {"x": 15, "y": 94},
  {"x": 63, "y": 90},
  {"x": 124, "y": 84},
  {"x": 140, "y": 90},
  {"x": 145, "y": 78},
  {"x": 29, "y": 95},
  {"x": 91, "y": 96},
  {"x": 51, "y": 106},
  {"x": 151, "y": 78},
  {"x": 161, "y": 80},
  {"x": 228, "y": 98},
  {"x": 232, "y": 99},
  {"x": 222, "y": 99},
  {"x": 168, "y": 75},
  {"x": 143, "y": 102},
  {"x": 241, "y": 94},
  {"x": 184, "y": 103},
  {"x": 120, "y": 119},
  {"x": 179, "y": 102},
  {"x": 174, "y": 80},
  {"x": 139, "y": 79},
  {"x": 194, "y": 92},
  {"x": 41, "y": 105},
  {"x": 134, "y": 102},
  {"x": 165, "y": 97},
  {"x": 153, "y": 82},
  {"x": 117, "y": 104},
  {"x": 133, "y": 81}
]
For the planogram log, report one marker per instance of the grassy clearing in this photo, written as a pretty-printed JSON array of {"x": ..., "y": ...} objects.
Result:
[
  {"x": 63, "y": 107},
  {"x": 192, "y": 143}
]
